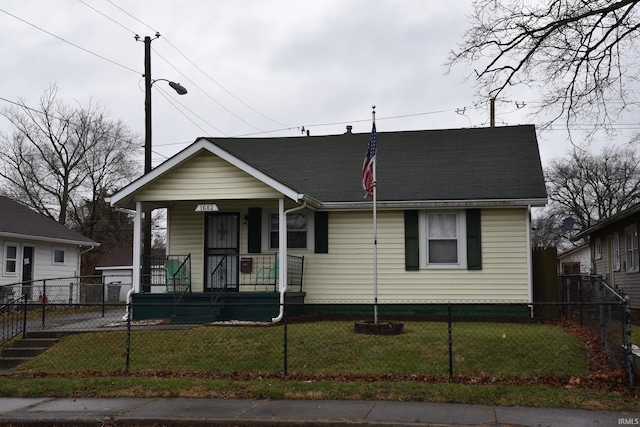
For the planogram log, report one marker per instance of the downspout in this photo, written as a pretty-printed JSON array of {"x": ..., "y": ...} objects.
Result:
[
  {"x": 529, "y": 262},
  {"x": 283, "y": 253}
]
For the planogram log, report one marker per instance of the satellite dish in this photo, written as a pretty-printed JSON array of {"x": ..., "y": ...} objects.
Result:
[{"x": 568, "y": 223}]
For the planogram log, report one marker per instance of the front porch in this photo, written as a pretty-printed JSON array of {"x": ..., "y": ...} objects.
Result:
[{"x": 239, "y": 287}]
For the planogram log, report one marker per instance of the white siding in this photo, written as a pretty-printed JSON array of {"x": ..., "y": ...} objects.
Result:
[
  {"x": 43, "y": 265},
  {"x": 345, "y": 274},
  {"x": 206, "y": 177}
]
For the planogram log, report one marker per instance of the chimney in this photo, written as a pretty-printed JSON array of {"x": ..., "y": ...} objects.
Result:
[{"x": 348, "y": 132}]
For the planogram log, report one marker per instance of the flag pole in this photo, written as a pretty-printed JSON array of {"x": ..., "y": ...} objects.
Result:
[{"x": 375, "y": 230}]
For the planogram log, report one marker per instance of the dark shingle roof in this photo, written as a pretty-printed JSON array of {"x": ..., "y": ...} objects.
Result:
[
  {"x": 19, "y": 220},
  {"x": 499, "y": 163}
]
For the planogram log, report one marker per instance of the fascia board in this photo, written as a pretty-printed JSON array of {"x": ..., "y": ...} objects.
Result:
[
  {"x": 17, "y": 236},
  {"x": 432, "y": 204}
]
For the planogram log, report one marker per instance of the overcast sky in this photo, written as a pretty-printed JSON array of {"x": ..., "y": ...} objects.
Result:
[{"x": 253, "y": 67}]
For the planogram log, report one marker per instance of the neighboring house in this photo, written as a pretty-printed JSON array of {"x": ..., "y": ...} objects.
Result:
[
  {"x": 453, "y": 214},
  {"x": 35, "y": 247},
  {"x": 576, "y": 260},
  {"x": 614, "y": 251}
]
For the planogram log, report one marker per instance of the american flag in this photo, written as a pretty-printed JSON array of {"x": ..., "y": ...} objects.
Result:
[{"x": 368, "y": 182}]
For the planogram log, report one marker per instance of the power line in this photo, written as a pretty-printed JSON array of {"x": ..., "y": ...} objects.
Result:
[
  {"x": 106, "y": 16},
  {"x": 205, "y": 74},
  {"x": 209, "y": 96},
  {"x": 70, "y": 43}
]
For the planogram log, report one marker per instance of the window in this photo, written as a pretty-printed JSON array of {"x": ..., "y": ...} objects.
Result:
[
  {"x": 58, "y": 255},
  {"x": 597, "y": 247},
  {"x": 10, "y": 259},
  {"x": 615, "y": 251},
  {"x": 443, "y": 239},
  {"x": 631, "y": 239},
  {"x": 297, "y": 227}
]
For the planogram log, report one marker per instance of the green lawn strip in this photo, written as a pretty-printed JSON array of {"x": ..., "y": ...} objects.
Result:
[
  {"x": 500, "y": 350},
  {"x": 194, "y": 387}
]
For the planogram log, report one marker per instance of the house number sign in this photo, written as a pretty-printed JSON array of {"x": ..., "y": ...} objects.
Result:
[{"x": 207, "y": 208}]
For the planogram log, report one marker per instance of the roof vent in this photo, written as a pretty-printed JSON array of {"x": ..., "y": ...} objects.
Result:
[{"x": 349, "y": 128}]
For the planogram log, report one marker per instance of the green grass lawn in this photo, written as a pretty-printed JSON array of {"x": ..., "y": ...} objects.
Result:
[
  {"x": 501, "y": 350},
  {"x": 216, "y": 361}
]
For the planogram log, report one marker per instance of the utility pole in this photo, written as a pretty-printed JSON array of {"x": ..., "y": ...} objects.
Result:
[{"x": 146, "y": 228}]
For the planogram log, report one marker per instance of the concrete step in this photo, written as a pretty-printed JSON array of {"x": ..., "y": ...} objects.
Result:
[
  {"x": 46, "y": 334},
  {"x": 22, "y": 350},
  {"x": 36, "y": 342},
  {"x": 12, "y": 362},
  {"x": 13, "y": 352}
]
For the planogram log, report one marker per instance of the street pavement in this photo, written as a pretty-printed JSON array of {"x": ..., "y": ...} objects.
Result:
[{"x": 263, "y": 412}]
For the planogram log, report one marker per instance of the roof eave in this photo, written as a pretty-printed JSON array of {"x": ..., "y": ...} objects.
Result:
[
  {"x": 19, "y": 236},
  {"x": 433, "y": 204}
]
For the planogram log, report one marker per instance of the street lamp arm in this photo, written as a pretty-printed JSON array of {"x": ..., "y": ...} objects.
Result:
[{"x": 181, "y": 90}]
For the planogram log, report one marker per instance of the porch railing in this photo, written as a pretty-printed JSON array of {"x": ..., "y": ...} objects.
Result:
[
  {"x": 168, "y": 273},
  {"x": 255, "y": 273}
]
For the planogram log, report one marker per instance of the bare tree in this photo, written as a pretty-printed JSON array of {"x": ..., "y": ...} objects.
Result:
[
  {"x": 579, "y": 55},
  {"x": 58, "y": 157},
  {"x": 590, "y": 187}
]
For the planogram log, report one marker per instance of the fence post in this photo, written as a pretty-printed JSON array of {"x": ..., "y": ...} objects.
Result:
[
  {"x": 627, "y": 339},
  {"x": 450, "y": 341},
  {"x": 103, "y": 291},
  {"x": 24, "y": 316},
  {"x": 286, "y": 342},
  {"x": 70, "y": 294},
  {"x": 603, "y": 327},
  {"x": 128, "y": 345},
  {"x": 43, "y": 300}
]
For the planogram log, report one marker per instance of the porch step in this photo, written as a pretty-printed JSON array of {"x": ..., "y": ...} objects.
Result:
[{"x": 34, "y": 344}]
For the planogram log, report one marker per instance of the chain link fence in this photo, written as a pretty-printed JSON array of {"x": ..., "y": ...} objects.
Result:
[
  {"x": 590, "y": 302},
  {"x": 498, "y": 340}
]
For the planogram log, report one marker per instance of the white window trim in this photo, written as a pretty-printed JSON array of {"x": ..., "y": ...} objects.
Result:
[
  {"x": 53, "y": 255},
  {"x": 615, "y": 251},
  {"x": 631, "y": 230},
  {"x": 16, "y": 259},
  {"x": 462, "y": 241},
  {"x": 266, "y": 231},
  {"x": 597, "y": 248}
]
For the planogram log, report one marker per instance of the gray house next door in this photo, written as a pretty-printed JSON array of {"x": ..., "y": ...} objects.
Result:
[{"x": 222, "y": 247}]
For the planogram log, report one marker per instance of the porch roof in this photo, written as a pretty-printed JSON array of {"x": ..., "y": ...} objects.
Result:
[{"x": 466, "y": 167}]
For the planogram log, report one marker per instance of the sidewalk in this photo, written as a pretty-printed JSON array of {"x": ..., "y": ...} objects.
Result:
[{"x": 254, "y": 412}]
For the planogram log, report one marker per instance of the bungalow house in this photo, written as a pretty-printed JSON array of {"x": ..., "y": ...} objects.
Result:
[
  {"x": 614, "y": 251},
  {"x": 35, "y": 247},
  {"x": 453, "y": 215}
]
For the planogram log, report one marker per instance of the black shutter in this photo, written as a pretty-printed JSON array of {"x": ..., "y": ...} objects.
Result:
[
  {"x": 411, "y": 241},
  {"x": 254, "y": 230},
  {"x": 321, "y": 230},
  {"x": 474, "y": 242}
]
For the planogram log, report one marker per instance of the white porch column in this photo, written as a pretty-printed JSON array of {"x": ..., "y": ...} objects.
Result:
[
  {"x": 137, "y": 247},
  {"x": 282, "y": 239}
]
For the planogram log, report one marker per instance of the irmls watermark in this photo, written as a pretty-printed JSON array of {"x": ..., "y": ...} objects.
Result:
[{"x": 629, "y": 421}]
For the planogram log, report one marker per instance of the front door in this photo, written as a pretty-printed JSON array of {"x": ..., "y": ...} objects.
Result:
[
  {"x": 27, "y": 271},
  {"x": 222, "y": 247}
]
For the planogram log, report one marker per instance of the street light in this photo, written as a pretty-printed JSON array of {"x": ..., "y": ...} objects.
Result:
[{"x": 148, "y": 82}]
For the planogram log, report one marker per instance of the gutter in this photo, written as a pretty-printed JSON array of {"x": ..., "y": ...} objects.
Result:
[
  {"x": 430, "y": 204},
  {"x": 283, "y": 260}
]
